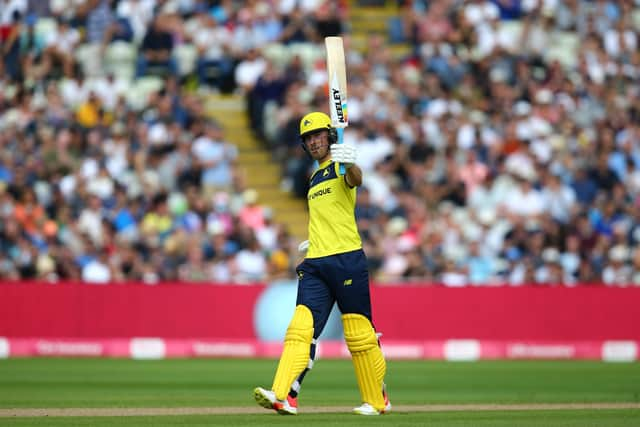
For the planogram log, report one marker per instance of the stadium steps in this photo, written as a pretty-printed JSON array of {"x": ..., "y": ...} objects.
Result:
[
  {"x": 368, "y": 20},
  {"x": 255, "y": 163}
]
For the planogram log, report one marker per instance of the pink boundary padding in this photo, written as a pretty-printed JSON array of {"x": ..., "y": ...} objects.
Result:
[{"x": 394, "y": 350}]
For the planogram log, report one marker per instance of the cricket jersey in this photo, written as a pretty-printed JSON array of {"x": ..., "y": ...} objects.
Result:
[{"x": 332, "y": 223}]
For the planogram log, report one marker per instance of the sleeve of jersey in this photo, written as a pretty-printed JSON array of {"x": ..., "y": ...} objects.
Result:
[{"x": 343, "y": 178}]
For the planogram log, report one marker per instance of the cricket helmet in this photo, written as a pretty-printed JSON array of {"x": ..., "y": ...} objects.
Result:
[{"x": 315, "y": 122}]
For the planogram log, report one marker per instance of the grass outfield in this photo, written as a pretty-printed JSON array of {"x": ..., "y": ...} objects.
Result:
[{"x": 209, "y": 383}]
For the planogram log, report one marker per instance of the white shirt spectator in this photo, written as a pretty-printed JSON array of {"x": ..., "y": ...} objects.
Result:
[
  {"x": 373, "y": 150},
  {"x": 618, "y": 42},
  {"x": 525, "y": 201},
  {"x": 491, "y": 36},
  {"x": 210, "y": 39},
  {"x": 64, "y": 41},
  {"x": 90, "y": 221},
  {"x": 250, "y": 265},
  {"x": 268, "y": 237},
  {"x": 454, "y": 279},
  {"x": 519, "y": 162},
  {"x": 89, "y": 167},
  {"x": 570, "y": 262},
  {"x": 379, "y": 189},
  {"x": 220, "y": 272},
  {"x": 8, "y": 7},
  {"x": 559, "y": 200},
  {"x": 139, "y": 13},
  {"x": 477, "y": 13},
  {"x": 466, "y": 136},
  {"x": 74, "y": 92},
  {"x": 617, "y": 275},
  {"x": 116, "y": 152},
  {"x": 96, "y": 272},
  {"x": 249, "y": 70},
  {"x": 109, "y": 90},
  {"x": 101, "y": 185}
]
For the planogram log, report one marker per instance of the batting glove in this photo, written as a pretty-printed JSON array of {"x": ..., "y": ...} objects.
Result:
[
  {"x": 302, "y": 247},
  {"x": 345, "y": 154}
]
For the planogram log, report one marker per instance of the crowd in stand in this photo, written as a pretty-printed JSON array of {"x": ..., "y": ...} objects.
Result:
[{"x": 503, "y": 148}]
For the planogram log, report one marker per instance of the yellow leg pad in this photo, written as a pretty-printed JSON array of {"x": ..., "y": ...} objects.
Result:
[
  {"x": 368, "y": 360},
  {"x": 296, "y": 351}
]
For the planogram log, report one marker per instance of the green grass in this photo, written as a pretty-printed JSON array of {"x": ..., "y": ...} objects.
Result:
[
  {"x": 93, "y": 383},
  {"x": 586, "y": 418}
]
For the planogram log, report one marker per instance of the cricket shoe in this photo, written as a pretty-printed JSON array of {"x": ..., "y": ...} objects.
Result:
[
  {"x": 367, "y": 409},
  {"x": 289, "y": 406},
  {"x": 267, "y": 399}
]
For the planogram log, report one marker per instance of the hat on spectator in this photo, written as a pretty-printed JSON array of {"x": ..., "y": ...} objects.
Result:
[
  {"x": 437, "y": 108},
  {"x": 477, "y": 117},
  {"x": 158, "y": 134},
  {"x": 11, "y": 118},
  {"x": 486, "y": 216},
  {"x": 396, "y": 226},
  {"x": 267, "y": 213},
  {"x": 117, "y": 129},
  {"x": 44, "y": 264},
  {"x": 544, "y": 96},
  {"x": 250, "y": 196},
  {"x": 472, "y": 231},
  {"x": 39, "y": 102},
  {"x": 532, "y": 226},
  {"x": 541, "y": 128},
  {"x": 445, "y": 207},
  {"x": 460, "y": 216},
  {"x": 550, "y": 255},
  {"x": 524, "y": 131},
  {"x": 557, "y": 141},
  {"x": 498, "y": 75},
  {"x": 178, "y": 204},
  {"x": 619, "y": 253},
  {"x": 455, "y": 252},
  {"x": 525, "y": 173},
  {"x": 215, "y": 227},
  {"x": 521, "y": 108}
]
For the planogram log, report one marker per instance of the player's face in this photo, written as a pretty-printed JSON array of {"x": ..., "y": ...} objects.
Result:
[{"x": 318, "y": 145}]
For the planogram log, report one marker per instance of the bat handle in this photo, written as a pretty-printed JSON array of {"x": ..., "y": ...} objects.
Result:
[{"x": 343, "y": 170}]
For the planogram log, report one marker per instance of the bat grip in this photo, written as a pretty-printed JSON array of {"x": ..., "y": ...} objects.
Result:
[{"x": 343, "y": 170}]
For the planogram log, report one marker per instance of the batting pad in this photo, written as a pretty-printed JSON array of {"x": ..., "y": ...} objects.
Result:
[
  {"x": 296, "y": 351},
  {"x": 368, "y": 360}
]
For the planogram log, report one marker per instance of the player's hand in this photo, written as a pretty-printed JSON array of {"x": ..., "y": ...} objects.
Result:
[
  {"x": 302, "y": 247},
  {"x": 345, "y": 154}
]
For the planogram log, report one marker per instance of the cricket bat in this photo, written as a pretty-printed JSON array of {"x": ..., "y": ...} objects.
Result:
[{"x": 337, "y": 78}]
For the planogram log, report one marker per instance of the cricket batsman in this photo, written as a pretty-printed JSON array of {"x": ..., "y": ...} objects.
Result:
[{"x": 334, "y": 270}]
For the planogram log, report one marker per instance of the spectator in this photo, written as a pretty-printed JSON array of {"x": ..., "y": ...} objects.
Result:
[
  {"x": 214, "y": 44},
  {"x": 215, "y": 159},
  {"x": 156, "y": 50}
]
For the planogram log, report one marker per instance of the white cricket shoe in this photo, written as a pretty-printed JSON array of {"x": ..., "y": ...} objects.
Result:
[
  {"x": 264, "y": 398},
  {"x": 267, "y": 399},
  {"x": 367, "y": 409}
]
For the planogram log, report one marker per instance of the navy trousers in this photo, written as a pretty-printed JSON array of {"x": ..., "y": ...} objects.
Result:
[{"x": 341, "y": 278}]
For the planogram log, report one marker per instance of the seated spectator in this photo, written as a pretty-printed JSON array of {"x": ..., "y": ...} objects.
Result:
[
  {"x": 213, "y": 41},
  {"x": 156, "y": 51},
  {"x": 214, "y": 158}
]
